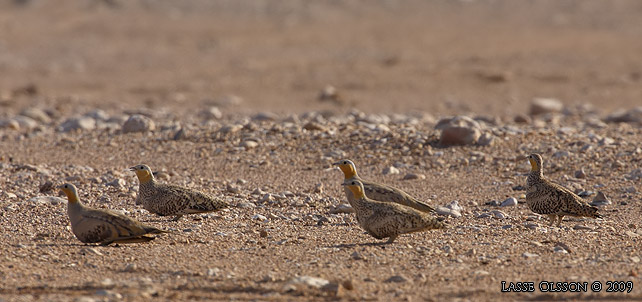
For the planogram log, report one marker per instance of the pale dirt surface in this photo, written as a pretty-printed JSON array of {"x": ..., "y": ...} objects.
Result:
[{"x": 420, "y": 60}]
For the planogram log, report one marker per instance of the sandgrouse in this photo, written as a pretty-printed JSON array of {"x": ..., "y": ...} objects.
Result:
[
  {"x": 166, "y": 199},
  {"x": 379, "y": 192},
  {"x": 548, "y": 198},
  {"x": 388, "y": 220},
  {"x": 103, "y": 226}
]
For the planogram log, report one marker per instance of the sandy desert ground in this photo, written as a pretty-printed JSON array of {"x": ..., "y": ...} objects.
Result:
[{"x": 253, "y": 101}]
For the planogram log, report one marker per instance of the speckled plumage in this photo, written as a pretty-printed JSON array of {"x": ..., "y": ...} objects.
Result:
[
  {"x": 166, "y": 199},
  {"x": 103, "y": 226},
  {"x": 548, "y": 198},
  {"x": 379, "y": 192},
  {"x": 388, "y": 220}
]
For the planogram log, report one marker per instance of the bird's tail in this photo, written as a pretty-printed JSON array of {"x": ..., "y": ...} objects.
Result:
[{"x": 153, "y": 230}]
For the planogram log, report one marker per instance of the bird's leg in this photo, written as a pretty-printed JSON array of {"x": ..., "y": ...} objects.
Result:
[
  {"x": 559, "y": 222},
  {"x": 391, "y": 239},
  {"x": 552, "y": 218},
  {"x": 177, "y": 217},
  {"x": 106, "y": 242}
]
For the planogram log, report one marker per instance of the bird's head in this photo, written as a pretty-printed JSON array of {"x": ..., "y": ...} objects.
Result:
[
  {"x": 143, "y": 172},
  {"x": 356, "y": 187},
  {"x": 71, "y": 192},
  {"x": 348, "y": 168},
  {"x": 536, "y": 161}
]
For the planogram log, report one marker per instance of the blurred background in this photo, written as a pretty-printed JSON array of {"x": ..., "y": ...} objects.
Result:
[{"x": 489, "y": 57}]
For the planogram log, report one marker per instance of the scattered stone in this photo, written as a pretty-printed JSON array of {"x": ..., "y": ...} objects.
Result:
[
  {"x": 78, "y": 124},
  {"x": 91, "y": 250},
  {"x": 98, "y": 115},
  {"x": 117, "y": 183},
  {"x": 454, "y": 205},
  {"x": 459, "y": 130},
  {"x": 53, "y": 200},
  {"x": 498, "y": 214},
  {"x": 545, "y": 105},
  {"x": 397, "y": 279},
  {"x": 582, "y": 227},
  {"x": 312, "y": 126},
  {"x": 522, "y": 119},
  {"x": 305, "y": 280},
  {"x": 249, "y": 144},
  {"x": 214, "y": 272},
  {"x": 259, "y": 217},
  {"x": 265, "y": 116},
  {"x": 390, "y": 170},
  {"x": 23, "y": 122},
  {"x": 529, "y": 255},
  {"x": 211, "y": 113},
  {"x": 509, "y": 202},
  {"x": 356, "y": 256},
  {"x": 130, "y": 268},
  {"x": 229, "y": 129},
  {"x": 233, "y": 189},
  {"x": 635, "y": 175},
  {"x": 267, "y": 197},
  {"x": 179, "y": 135},
  {"x": 413, "y": 176},
  {"x": 46, "y": 187},
  {"x": 626, "y": 116},
  {"x": 228, "y": 101},
  {"x": 263, "y": 233},
  {"x": 138, "y": 123},
  {"x": 580, "y": 173},
  {"x": 446, "y": 211},
  {"x": 631, "y": 190},
  {"x": 342, "y": 208},
  {"x": 246, "y": 205},
  {"x": 563, "y": 246},
  {"x": 9, "y": 124},
  {"x": 109, "y": 294},
  {"x": 329, "y": 93},
  {"x": 36, "y": 114},
  {"x": 486, "y": 139},
  {"x": 484, "y": 215},
  {"x": 600, "y": 200}
]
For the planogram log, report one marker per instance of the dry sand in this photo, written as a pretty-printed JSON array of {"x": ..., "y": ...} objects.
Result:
[{"x": 398, "y": 66}]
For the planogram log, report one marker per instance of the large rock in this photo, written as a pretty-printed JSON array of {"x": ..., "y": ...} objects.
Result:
[
  {"x": 25, "y": 122},
  {"x": 626, "y": 116},
  {"x": 459, "y": 130},
  {"x": 138, "y": 123},
  {"x": 37, "y": 114},
  {"x": 544, "y": 105}
]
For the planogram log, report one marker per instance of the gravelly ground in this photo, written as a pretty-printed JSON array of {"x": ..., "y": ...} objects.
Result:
[{"x": 256, "y": 248}]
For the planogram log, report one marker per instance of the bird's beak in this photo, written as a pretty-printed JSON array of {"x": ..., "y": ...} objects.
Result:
[
  {"x": 132, "y": 169},
  {"x": 60, "y": 186},
  {"x": 345, "y": 184}
]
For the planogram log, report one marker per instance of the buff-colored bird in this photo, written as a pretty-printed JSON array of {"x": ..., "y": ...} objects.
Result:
[
  {"x": 379, "y": 192},
  {"x": 166, "y": 199},
  {"x": 548, "y": 198},
  {"x": 388, "y": 220},
  {"x": 103, "y": 226}
]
